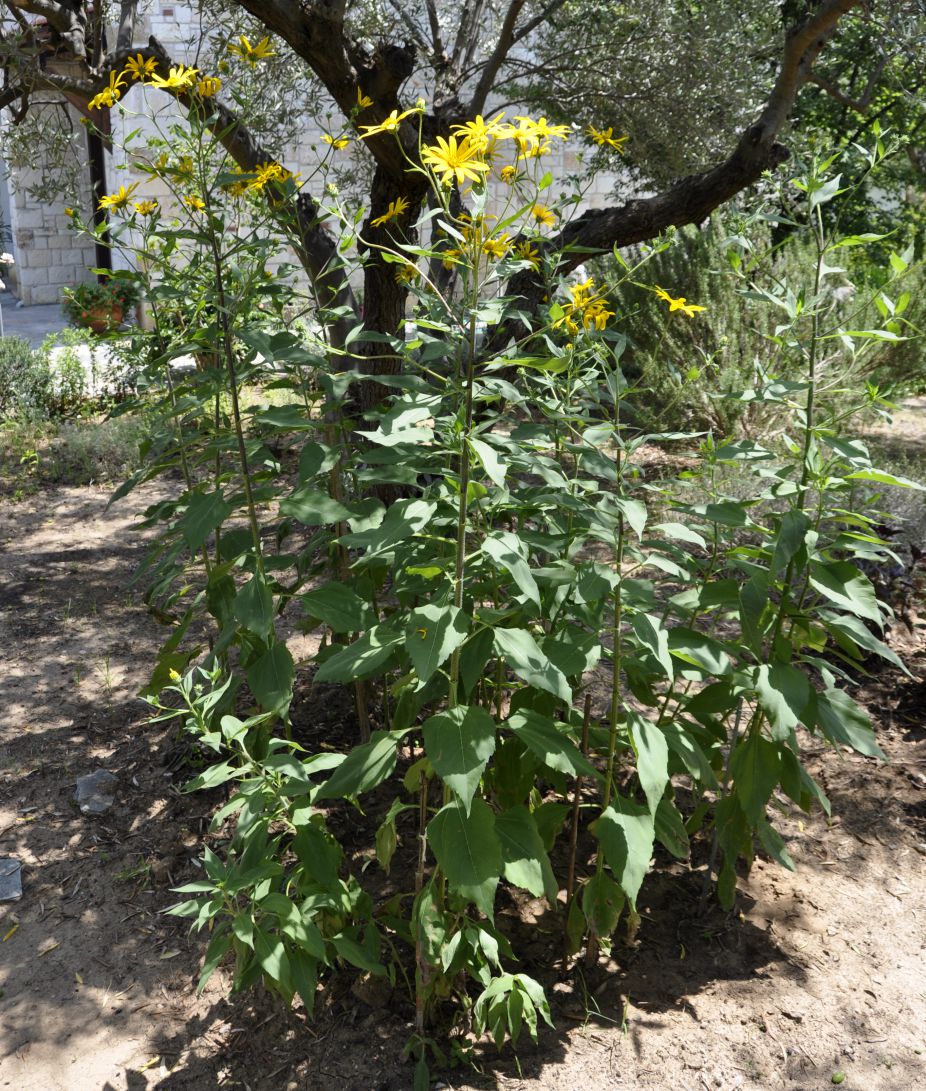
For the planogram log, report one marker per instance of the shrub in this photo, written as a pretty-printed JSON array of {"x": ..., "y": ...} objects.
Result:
[{"x": 26, "y": 382}]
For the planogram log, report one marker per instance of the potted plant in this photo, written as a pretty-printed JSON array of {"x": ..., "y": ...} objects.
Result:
[{"x": 100, "y": 306}]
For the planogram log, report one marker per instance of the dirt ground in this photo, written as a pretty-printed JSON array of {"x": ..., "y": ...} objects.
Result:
[{"x": 816, "y": 975}]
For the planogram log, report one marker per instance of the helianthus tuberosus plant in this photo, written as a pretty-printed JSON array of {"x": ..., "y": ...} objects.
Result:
[{"x": 548, "y": 650}]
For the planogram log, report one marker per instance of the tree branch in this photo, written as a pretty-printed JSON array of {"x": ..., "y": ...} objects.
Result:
[
  {"x": 861, "y": 104},
  {"x": 497, "y": 58},
  {"x": 693, "y": 199}
]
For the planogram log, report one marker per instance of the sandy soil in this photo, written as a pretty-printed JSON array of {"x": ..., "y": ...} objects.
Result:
[{"x": 816, "y": 974}]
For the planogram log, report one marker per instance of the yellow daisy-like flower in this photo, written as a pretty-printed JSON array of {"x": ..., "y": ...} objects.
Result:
[
  {"x": 139, "y": 67},
  {"x": 449, "y": 257},
  {"x": 679, "y": 304},
  {"x": 606, "y": 137},
  {"x": 70, "y": 213},
  {"x": 387, "y": 125},
  {"x": 586, "y": 309},
  {"x": 363, "y": 101},
  {"x": 508, "y": 174},
  {"x": 526, "y": 252},
  {"x": 497, "y": 247},
  {"x": 544, "y": 216},
  {"x": 268, "y": 172},
  {"x": 119, "y": 199},
  {"x": 195, "y": 202},
  {"x": 208, "y": 86},
  {"x": 541, "y": 129},
  {"x": 251, "y": 53},
  {"x": 179, "y": 78},
  {"x": 481, "y": 133},
  {"x": 454, "y": 161},
  {"x": 338, "y": 142},
  {"x": 145, "y": 208},
  {"x": 393, "y": 211},
  {"x": 109, "y": 95},
  {"x": 407, "y": 273}
]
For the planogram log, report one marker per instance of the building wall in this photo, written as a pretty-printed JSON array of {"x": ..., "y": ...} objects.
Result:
[{"x": 49, "y": 255}]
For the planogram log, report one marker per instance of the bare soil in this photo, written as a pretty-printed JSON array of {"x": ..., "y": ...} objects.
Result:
[{"x": 816, "y": 974}]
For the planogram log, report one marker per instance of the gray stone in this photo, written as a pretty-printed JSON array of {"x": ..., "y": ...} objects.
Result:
[
  {"x": 95, "y": 792},
  {"x": 11, "y": 884}
]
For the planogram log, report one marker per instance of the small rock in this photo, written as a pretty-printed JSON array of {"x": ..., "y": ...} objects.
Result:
[
  {"x": 11, "y": 885},
  {"x": 95, "y": 792},
  {"x": 372, "y": 990}
]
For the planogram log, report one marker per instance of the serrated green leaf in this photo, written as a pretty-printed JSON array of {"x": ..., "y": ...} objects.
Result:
[
  {"x": 468, "y": 851},
  {"x": 459, "y": 743},
  {"x": 540, "y": 734},
  {"x": 626, "y": 832},
  {"x": 271, "y": 678},
  {"x": 339, "y": 607},
  {"x": 525, "y": 860},
  {"x": 652, "y": 753},
  {"x": 432, "y": 633},
  {"x": 366, "y": 766},
  {"x": 521, "y": 652}
]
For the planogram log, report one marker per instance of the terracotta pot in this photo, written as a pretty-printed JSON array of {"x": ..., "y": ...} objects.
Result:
[{"x": 102, "y": 317}]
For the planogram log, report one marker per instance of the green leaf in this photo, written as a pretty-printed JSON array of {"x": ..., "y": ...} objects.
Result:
[
  {"x": 218, "y": 947},
  {"x": 403, "y": 519},
  {"x": 432, "y": 634},
  {"x": 843, "y": 584},
  {"x": 602, "y": 903},
  {"x": 555, "y": 749},
  {"x": 473, "y": 658},
  {"x": 652, "y": 635},
  {"x": 366, "y": 766},
  {"x": 204, "y": 512},
  {"x": 494, "y": 467},
  {"x": 700, "y": 650},
  {"x": 363, "y": 658},
  {"x": 313, "y": 508},
  {"x": 845, "y": 722},
  {"x": 882, "y": 477},
  {"x": 339, "y": 607},
  {"x": 468, "y": 851},
  {"x": 459, "y": 743},
  {"x": 774, "y": 845},
  {"x": 254, "y": 606},
  {"x": 784, "y": 693},
  {"x": 790, "y": 538},
  {"x": 508, "y": 552},
  {"x": 649, "y": 745},
  {"x": 273, "y": 958},
  {"x": 670, "y": 829},
  {"x": 525, "y": 860},
  {"x": 271, "y": 678},
  {"x": 851, "y": 631},
  {"x": 756, "y": 768},
  {"x": 520, "y": 651},
  {"x": 626, "y": 832}
]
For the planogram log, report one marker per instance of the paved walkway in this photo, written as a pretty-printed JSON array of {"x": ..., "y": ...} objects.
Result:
[{"x": 33, "y": 323}]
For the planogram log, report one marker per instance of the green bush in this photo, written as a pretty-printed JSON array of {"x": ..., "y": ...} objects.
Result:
[{"x": 26, "y": 382}]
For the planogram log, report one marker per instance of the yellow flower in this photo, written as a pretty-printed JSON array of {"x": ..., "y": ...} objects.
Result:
[
  {"x": 195, "y": 202},
  {"x": 544, "y": 216},
  {"x": 387, "y": 125},
  {"x": 587, "y": 307},
  {"x": 449, "y": 257},
  {"x": 454, "y": 161},
  {"x": 70, "y": 213},
  {"x": 336, "y": 142},
  {"x": 138, "y": 67},
  {"x": 541, "y": 129},
  {"x": 395, "y": 209},
  {"x": 604, "y": 137},
  {"x": 108, "y": 96},
  {"x": 508, "y": 174},
  {"x": 119, "y": 199},
  {"x": 251, "y": 53},
  {"x": 180, "y": 78},
  {"x": 680, "y": 304},
  {"x": 407, "y": 273},
  {"x": 268, "y": 172},
  {"x": 145, "y": 208},
  {"x": 481, "y": 133},
  {"x": 208, "y": 86},
  {"x": 362, "y": 100},
  {"x": 526, "y": 252},
  {"x": 173, "y": 675},
  {"x": 497, "y": 247}
]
